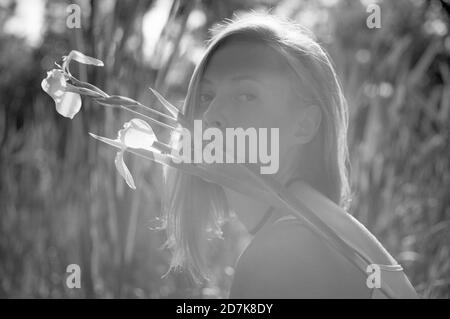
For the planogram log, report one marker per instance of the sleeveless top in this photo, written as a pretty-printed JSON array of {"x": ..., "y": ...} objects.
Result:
[
  {"x": 391, "y": 277},
  {"x": 387, "y": 270},
  {"x": 268, "y": 214}
]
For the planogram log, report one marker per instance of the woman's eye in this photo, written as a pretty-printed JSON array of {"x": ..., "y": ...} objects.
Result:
[
  {"x": 246, "y": 97},
  {"x": 205, "y": 98}
]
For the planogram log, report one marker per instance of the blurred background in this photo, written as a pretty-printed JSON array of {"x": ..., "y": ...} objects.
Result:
[{"x": 62, "y": 201}]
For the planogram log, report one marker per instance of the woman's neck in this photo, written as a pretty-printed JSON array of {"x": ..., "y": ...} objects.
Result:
[
  {"x": 250, "y": 211},
  {"x": 254, "y": 214}
]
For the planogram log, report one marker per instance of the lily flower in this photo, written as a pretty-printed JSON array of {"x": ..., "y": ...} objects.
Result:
[
  {"x": 135, "y": 134},
  {"x": 65, "y": 95},
  {"x": 68, "y": 104}
]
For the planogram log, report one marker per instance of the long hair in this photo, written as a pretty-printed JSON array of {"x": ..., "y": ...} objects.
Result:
[{"x": 194, "y": 210}]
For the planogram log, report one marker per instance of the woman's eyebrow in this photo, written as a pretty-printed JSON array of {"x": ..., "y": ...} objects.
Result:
[
  {"x": 233, "y": 79},
  {"x": 245, "y": 77}
]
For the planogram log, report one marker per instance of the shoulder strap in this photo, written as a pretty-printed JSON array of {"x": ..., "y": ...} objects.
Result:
[
  {"x": 262, "y": 221},
  {"x": 362, "y": 242},
  {"x": 287, "y": 218}
]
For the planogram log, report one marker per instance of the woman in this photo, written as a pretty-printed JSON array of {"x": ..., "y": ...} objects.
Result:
[{"x": 263, "y": 72}]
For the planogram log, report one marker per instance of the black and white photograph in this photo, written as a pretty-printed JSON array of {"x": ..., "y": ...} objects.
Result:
[{"x": 245, "y": 151}]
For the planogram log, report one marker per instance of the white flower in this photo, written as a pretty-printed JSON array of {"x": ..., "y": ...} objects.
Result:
[
  {"x": 135, "y": 134},
  {"x": 68, "y": 104}
]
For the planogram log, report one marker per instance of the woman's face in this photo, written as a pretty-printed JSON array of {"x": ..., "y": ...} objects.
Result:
[{"x": 246, "y": 84}]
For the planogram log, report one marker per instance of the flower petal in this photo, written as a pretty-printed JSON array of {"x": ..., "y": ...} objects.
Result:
[
  {"x": 55, "y": 83},
  {"x": 123, "y": 169},
  {"x": 68, "y": 105},
  {"x": 81, "y": 58},
  {"x": 137, "y": 134}
]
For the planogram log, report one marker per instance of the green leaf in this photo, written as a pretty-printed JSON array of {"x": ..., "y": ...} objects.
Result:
[
  {"x": 118, "y": 100},
  {"x": 169, "y": 107}
]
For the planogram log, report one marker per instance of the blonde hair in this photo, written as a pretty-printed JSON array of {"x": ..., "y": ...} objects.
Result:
[{"x": 194, "y": 210}]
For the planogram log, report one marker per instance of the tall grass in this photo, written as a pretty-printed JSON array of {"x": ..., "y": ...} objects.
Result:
[{"x": 61, "y": 201}]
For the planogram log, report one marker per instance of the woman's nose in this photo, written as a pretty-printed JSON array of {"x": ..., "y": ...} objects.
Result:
[{"x": 213, "y": 117}]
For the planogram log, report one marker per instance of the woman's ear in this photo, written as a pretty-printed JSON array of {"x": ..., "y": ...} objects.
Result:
[{"x": 309, "y": 124}]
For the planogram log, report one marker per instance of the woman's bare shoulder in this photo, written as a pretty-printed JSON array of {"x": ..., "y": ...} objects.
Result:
[{"x": 288, "y": 260}]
